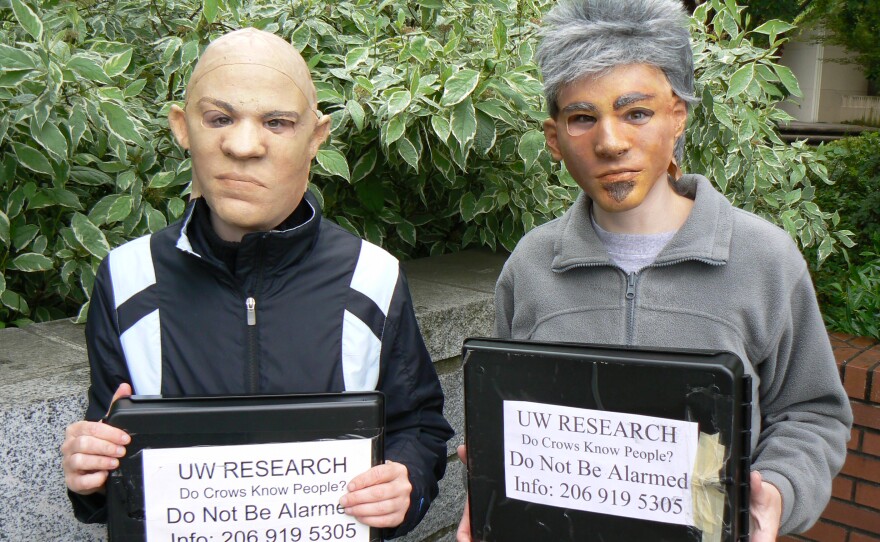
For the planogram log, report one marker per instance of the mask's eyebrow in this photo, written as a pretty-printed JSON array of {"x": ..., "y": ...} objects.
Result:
[
  {"x": 219, "y": 103},
  {"x": 631, "y": 98},
  {"x": 292, "y": 115},
  {"x": 580, "y": 106}
]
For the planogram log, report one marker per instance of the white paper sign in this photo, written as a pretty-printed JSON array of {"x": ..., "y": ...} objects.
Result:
[
  {"x": 287, "y": 492},
  {"x": 599, "y": 461}
]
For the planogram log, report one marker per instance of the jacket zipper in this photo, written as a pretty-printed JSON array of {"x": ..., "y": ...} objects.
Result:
[
  {"x": 631, "y": 279},
  {"x": 253, "y": 367}
]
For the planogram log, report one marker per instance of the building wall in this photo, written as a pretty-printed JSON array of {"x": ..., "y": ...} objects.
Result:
[
  {"x": 838, "y": 80},
  {"x": 823, "y": 81},
  {"x": 803, "y": 57}
]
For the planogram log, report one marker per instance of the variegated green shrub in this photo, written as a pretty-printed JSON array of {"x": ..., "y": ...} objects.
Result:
[{"x": 437, "y": 111}]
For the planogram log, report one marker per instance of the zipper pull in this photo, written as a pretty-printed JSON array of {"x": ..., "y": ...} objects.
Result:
[
  {"x": 251, "y": 305},
  {"x": 631, "y": 286}
]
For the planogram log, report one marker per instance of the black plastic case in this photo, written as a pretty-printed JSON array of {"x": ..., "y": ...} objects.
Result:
[
  {"x": 707, "y": 387},
  {"x": 155, "y": 422}
]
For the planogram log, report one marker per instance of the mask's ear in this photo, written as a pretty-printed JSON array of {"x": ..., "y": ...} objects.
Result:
[
  {"x": 680, "y": 116},
  {"x": 177, "y": 123},
  {"x": 319, "y": 134},
  {"x": 551, "y": 133}
]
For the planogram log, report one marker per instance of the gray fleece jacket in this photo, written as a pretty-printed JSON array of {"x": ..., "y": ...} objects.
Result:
[{"x": 728, "y": 280}]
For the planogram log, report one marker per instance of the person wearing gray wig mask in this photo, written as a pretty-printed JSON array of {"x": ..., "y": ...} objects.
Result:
[{"x": 649, "y": 256}]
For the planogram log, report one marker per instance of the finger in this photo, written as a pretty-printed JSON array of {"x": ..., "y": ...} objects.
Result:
[
  {"x": 79, "y": 464},
  {"x": 380, "y": 474},
  {"x": 464, "y": 526},
  {"x": 85, "y": 433},
  {"x": 124, "y": 390},
  {"x": 387, "y": 507},
  {"x": 399, "y": 489},
  {"x": 88, "y": 483}
]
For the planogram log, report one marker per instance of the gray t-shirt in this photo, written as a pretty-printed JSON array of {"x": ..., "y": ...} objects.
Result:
[{"x": 631, "y": 252}]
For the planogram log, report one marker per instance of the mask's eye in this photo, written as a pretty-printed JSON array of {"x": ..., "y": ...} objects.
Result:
[
  {"x": 639, "y": 116},
  {"x": 216, "y": 119},
  {"x": 280, "y": 126},
  {"x": 578, "y": 124}
]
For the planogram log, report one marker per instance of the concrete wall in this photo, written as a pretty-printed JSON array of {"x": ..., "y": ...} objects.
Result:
[{"x": 44, "y": 378}]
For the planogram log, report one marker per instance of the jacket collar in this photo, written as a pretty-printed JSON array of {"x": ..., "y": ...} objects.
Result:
[
  {"x": 705, "y": 235},
  {"x": 273, "y": 250}
]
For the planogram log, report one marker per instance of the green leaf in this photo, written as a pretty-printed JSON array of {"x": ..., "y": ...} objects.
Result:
[
  {"x": 371, "y": 194},
  {"x": 161, "y": 180},
  {"x": 32, "y": 159},
  {"x": 82, "y": 314},
  {"x": 467, "y": 207},
  {"x": 121, "y": 124},
  {"x": 409, "y": 153},
  {"x": 88, "y": 69},
  {"x": 4, "y": 229},
  {"x": 117, "y": 64},
  {"x": 464, "y": 122},
  {"x": 135, "y": 88},
  {"x": 530, "y": 146},
  {"x": 155, "y": 220},
  {"x": 119, "y": 209},
  {"x": 398, "y": 101},
  {"x": 740, "y": 80},
  {"x": 528, "y": 221},
  {"x": 407, "y": 232},
  {"x": 65, "y": 198},
  {"x": 334, "y": 162},
  {"x": 89, "y": 176},
  {"x": 486, "y": 133},
  {"x": 51, "y": 138},
  {"x": 13, "y": 78},
  {"x": 356, "y": 56},
  {"x": 89, "y": 236},
  {"x": 825, "y": 248},
  {"x": 364, "y": 165},
  {"x": 209, "y": 9},
  {"x": 788, "y": 80},
  {"x": 23, "y": 235},
  {"x": 774, "y": 28},
  {"x": 459, "y": 86},
  {"x": 16, "y": 58},
  {"x": 357, "y": 113},
  {"x": 499, "y": 36},
  {"x": 394, "y": 129},
  {"x": 28, "y": 19},
  {"x": 441, "y": 127},
  {"x": 14, "y": 301},
  {"x": 373, "y": 233},
  {"x": 31, "y": 262},
  {"x": 346, "y": 224},
  {"x": 176, "y": 207}
]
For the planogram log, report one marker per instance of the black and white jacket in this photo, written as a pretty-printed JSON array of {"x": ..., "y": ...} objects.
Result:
[{"x": 308, "y": 309}]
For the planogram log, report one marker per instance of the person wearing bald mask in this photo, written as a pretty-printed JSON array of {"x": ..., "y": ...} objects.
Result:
[{"x": 253, "y": 293}]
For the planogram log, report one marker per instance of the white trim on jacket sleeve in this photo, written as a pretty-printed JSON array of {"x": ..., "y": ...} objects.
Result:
[
  {"x": 143, "y": 353},
  {"x": 131, "y": 272},
  {"x": 131, "y": 268},
  {"x": 375, "y": 276}
]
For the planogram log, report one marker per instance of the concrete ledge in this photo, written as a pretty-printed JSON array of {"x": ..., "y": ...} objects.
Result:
[{"x": 44, "y": 379}]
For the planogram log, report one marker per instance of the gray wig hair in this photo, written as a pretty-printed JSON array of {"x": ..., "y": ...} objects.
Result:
[{"x": 582, "y": 38}]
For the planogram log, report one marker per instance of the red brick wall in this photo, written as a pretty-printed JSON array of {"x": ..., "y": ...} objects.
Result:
[{"x": 853, "y": 515}]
